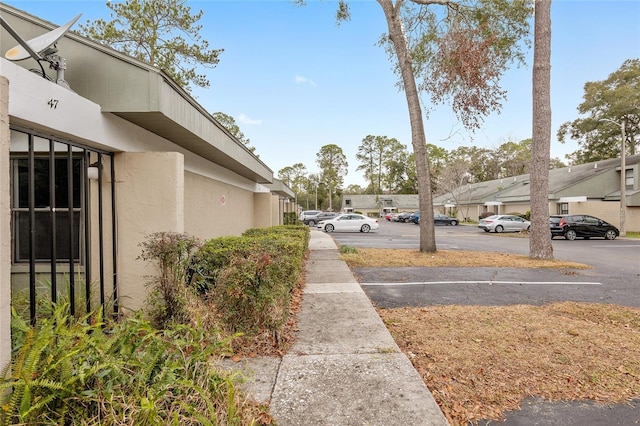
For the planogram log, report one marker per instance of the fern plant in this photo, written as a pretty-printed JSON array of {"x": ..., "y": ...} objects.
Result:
[
  {"x": 82, "y": 371},
  {"x": 44, "y": 372}
]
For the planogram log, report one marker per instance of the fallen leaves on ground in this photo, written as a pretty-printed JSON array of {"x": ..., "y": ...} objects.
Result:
[
  {"x": 481, "y": 361},
  {"x": 372, "y": 257}
]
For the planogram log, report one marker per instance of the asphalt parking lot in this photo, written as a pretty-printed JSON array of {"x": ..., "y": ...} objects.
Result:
[{"x": 614, "y": 277}]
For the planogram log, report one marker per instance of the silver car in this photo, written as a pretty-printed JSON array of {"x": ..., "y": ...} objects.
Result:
[{"x": 504, "y": 223}]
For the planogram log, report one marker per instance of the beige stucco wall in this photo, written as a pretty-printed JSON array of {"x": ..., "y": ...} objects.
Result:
[
  {"x": 262, "y": 214},
  {"x": 521, "y": 208},
  {"x": 276, "y": 205},
  {"x": 210, "y": 204},
  {"x": 5, "y": 232},
  {"x": 149, "y": 199}
]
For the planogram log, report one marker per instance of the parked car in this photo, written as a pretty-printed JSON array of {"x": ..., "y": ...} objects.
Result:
[
  {"x": 403, "y": 217},
  {"x": 313, "y": 220},
  {"x": 393, "y": 217},
  {"x": 348, "y": 222},
  {"x": 438, "y": 219},
  {"x": 390, "y": 215},
  {"x": 572, "y": 226},
  {"x": 308, "y": 213},
  {"x": 504, "y": 223}
]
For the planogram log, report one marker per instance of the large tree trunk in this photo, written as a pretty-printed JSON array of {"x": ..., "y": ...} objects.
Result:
[
  {"x": 540, "y": 246},
  {"x": 418, "y": 138}
]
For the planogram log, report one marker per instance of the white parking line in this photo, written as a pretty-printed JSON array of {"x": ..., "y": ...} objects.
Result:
[
  {"x": 487, "y": 282},
  {"x": 623, "y": 246}
]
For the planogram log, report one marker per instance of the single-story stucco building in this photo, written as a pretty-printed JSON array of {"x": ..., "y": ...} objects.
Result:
[
  {"x": 96, "y": 158},
  {"x": 591, "y": 188}
]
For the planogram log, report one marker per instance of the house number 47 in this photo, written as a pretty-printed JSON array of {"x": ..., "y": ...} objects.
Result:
[{"x": 53, "y": 103}]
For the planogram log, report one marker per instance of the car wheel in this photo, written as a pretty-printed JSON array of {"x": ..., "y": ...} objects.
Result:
[
  {"x": 610, "y": 235},
  {"x": 329, "y": 228},
  {"x": 453, "y": 222},
  {"x": 499, "y": 229},
  {"x": 365, "y": 228},
  {"x": 312, "y": 223},
  {"x": 570, "y": 235},
  {"x": 528, "y": 228}
]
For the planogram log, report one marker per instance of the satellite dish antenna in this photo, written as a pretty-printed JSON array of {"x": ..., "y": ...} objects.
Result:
[{"x": 41, "y": 48}]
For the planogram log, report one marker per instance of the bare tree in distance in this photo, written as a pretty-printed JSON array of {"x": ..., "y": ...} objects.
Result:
[
  {"x": 455, "y": 179},
  {"x": 456, "y": 51}
]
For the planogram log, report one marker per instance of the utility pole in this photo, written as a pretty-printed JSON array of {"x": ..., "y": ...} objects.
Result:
[
  {"x": 623, "y": 181},
  {"x": 623, "y": 174}
]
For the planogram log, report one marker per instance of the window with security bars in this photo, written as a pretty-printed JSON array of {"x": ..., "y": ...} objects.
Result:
[
  {"x": 57, "y": 208},
  {"x": 563, "y": 208}
]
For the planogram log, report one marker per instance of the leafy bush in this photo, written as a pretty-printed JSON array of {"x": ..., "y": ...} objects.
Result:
[
  {"x": 86, "y": 372},
  {"x": 345, "y": 249},
  {"x": 290, "y": 218},
  {"x": 173, "y": 254},
  {"x": 250, "y": 279}
]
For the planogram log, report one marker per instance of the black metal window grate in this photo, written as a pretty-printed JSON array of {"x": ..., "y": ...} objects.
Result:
[{"x": 63, "y": 221}]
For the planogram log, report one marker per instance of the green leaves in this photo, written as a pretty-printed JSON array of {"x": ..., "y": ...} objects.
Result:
[
  {"x": 74, "y": 371},
  {"x": 607, "y": 102},
  {"x": 163, "y": 33}
]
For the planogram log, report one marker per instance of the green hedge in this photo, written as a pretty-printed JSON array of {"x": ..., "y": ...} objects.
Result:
[
  {"x": 250, "y": 278},
  {"x": 290, "y": 218}
]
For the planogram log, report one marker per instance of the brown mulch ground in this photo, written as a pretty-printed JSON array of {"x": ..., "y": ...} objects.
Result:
[{"x": 481, "y": 361}]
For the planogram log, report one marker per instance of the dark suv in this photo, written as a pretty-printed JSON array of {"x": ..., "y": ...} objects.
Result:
[{"x": 572, "y": 226}]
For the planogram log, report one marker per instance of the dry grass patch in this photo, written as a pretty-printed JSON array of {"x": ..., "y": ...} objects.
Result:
[
  {"x": 371, "y": 257},
  {"x": 482, "y": 361}
]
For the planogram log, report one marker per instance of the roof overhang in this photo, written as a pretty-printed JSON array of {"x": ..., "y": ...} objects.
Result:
[
  {"x": 280, "y": 189},
  {"x": 493, "y": 203},
  {"x": 143, "y": 95}
]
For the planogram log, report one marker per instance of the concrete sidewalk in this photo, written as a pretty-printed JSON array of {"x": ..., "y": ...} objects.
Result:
[{"x": 345, "y": 368}]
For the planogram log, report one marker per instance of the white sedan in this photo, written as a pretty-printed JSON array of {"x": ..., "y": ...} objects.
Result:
[{"x": 348, "y": 222}]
